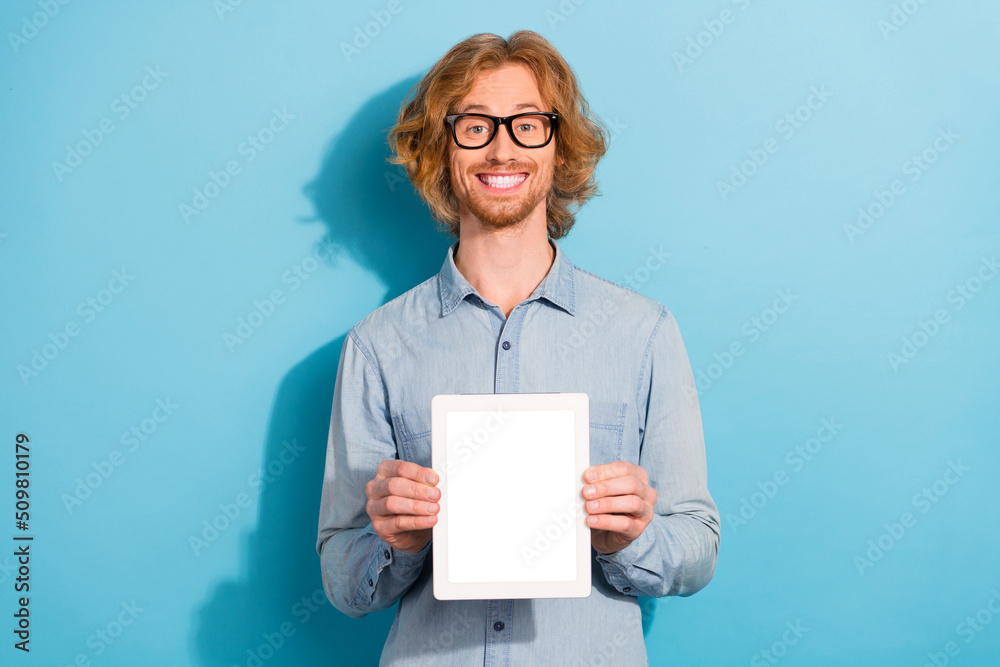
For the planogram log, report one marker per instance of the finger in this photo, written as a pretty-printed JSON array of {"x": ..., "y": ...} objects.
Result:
[
  {"x": 630, "y": 505},
  {"x": 401, "y": 486},
  {"x": 407, "y": 469},
  {"x": 617, "y": 486},
  {"x": 614, "y": 469},
  {"x": 403, "y": 523},
  {"x": 614, "y": 523},
  {"x": 392, "y": 505}
]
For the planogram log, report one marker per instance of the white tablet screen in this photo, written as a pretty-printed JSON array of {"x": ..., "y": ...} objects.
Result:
[{"x": 511, "y": 496}]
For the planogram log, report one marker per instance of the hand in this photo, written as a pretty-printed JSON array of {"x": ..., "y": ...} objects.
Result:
[
  {"x": 402, "y": 504},
  {"x": 619, "y": 504}
]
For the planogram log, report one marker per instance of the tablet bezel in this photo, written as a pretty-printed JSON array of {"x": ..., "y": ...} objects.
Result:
[{"x": 441, "y": 405}]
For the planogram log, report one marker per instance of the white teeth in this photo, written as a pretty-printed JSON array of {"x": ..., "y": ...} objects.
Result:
[{"x": 503, "y": 181}]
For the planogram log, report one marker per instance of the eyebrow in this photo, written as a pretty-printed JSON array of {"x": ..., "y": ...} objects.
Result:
[{"x": 480, "y": 107}]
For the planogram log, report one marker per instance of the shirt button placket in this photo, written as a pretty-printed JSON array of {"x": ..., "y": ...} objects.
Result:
[
  {"x": 505, "y": 357},
  {"x": 499, "y": 616},
  {"x": 494, "y": 640},
  {"x": 500, "y": 613}
]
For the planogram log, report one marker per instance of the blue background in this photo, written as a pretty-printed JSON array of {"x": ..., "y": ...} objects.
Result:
[{"x": 321, "y": 188}]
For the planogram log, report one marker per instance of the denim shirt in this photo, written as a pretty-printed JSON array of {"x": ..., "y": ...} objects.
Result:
[{"x": 577, "y": 332}]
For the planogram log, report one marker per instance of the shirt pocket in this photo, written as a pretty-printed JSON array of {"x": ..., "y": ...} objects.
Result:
[
  {"x": 607, "y": 428},
  {"x": 413, "y": 436}
]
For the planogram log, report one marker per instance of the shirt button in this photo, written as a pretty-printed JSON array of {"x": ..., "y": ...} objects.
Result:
[
  {"x": 386, "y": 552},
  {"x": 506, "y": 345},
  {"x": 627, "y": 589},
  {"x": 370, "y": 583},
  {"x": 498, "y": 626}
]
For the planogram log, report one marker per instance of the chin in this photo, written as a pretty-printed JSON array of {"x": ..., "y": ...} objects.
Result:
[{"x": 491, "y": 217}]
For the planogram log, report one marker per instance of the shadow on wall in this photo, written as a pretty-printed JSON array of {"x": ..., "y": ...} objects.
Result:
[{"x": 276, "y": 612}]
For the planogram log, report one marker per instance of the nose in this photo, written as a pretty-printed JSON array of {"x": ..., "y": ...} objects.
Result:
[{"x": 502, "y": 147}]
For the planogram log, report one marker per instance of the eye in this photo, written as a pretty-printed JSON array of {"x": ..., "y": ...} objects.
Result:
[{"x": 473, "y": 127}]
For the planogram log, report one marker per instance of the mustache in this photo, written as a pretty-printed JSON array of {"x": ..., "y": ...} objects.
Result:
[{"x": 518, "y": 169}]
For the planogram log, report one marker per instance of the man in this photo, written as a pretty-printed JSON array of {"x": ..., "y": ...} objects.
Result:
[{"x": 509, "y": 313}]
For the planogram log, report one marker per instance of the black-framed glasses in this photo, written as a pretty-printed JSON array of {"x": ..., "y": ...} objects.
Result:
[{"x": 531, "y": 129}]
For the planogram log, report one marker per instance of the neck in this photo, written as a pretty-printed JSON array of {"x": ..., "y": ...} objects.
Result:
[{"x": 505, "y": 266}]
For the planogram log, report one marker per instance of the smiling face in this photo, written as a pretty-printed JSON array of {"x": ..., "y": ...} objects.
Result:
[{"x": 502, "y": 184}]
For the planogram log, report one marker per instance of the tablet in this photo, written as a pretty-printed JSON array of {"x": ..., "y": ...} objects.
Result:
[{"x": 511, "y": 522}]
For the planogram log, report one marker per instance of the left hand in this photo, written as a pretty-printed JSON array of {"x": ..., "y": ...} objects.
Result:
[{"x": 619, "y": 503}]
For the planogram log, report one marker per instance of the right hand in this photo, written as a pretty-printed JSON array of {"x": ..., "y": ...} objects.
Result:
[{"x": 402, "y": 503}]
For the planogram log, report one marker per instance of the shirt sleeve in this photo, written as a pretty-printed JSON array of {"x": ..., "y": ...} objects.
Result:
[
  {"x": 677, "y": 552},
  {"x": 361, "y": 572}
]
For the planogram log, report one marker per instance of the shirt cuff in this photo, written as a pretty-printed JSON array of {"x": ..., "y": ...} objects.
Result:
[
  {"x": 618, "y": 566},
  {"x": 385, "y": 556},
  {"x": 405, "y": 558}
]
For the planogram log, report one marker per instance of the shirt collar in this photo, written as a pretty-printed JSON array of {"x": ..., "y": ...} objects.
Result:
[{"x": 557, "y": 286}]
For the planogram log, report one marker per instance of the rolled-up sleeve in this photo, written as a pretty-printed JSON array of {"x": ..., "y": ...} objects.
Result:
[
  {"x": 361, "y": 572},
  {"x": 677, "y": 552}
]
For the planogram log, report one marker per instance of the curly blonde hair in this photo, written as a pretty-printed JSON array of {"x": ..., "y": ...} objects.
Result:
[{"x": 420, "y": 138}]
